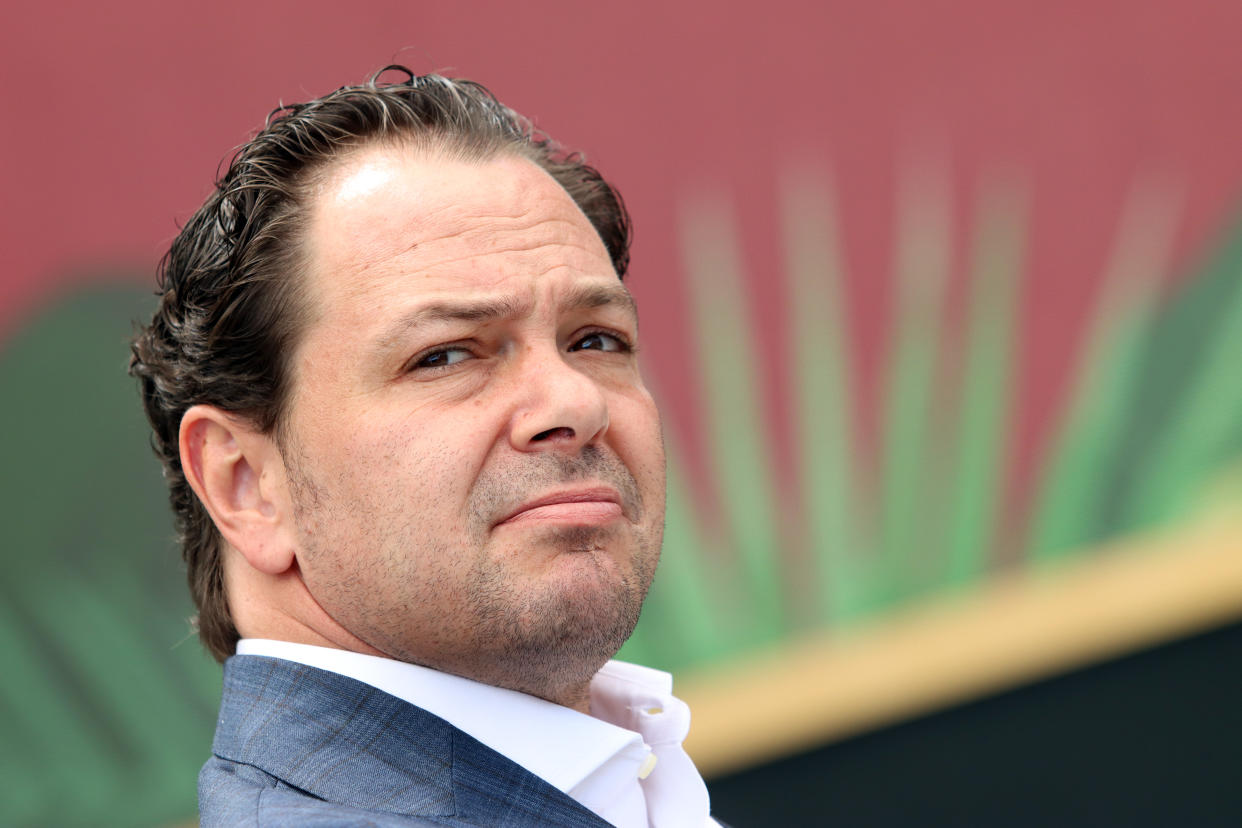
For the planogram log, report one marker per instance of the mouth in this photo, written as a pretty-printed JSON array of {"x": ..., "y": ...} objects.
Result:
[{"x": 593, "y": 506}]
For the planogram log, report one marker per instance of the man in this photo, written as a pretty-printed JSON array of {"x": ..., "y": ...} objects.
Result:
[{"x": 417, "y": 476}]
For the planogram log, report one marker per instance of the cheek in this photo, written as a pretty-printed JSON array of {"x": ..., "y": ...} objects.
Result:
[
  {"x": 422, "y": 467},
  {"x": 640, "y": 439}
]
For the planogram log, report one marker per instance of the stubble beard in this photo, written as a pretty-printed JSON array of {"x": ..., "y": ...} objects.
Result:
[
  {"x": 545, "y": 635},
  {"x": 542, "y": 642},
  {"x": 557, "y": 635}
]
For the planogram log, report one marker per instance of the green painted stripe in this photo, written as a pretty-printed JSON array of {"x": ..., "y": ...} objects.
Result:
[
  {"x": 737, "y": 433},
  {"x": 910, "y": 521},
  {"x": 976, "y": 487},
  {"x": 693, "y": 576},
  {"x": 820, "y": 344},
  {"x": 680, "y": 626},
  {"x": 1074, "y": 484}
]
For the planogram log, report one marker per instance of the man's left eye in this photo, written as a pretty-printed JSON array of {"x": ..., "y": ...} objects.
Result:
[
  {"x": 600, "y": 341},
  {"x": 442, "y": 358}
]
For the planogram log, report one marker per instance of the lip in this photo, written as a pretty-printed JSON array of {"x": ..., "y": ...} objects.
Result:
[{"x": 592, "y": 506}]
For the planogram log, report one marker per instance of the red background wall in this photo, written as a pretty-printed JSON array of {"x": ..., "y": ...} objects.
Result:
[{"x": 116, "y": 116}]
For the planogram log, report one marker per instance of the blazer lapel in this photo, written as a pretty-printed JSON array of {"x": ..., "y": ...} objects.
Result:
[
  {"x": 344, "y": 741},
  {"x": 491, "y": 789}
]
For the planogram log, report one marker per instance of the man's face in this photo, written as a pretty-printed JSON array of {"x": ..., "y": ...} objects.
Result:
[{"x": 476, "y": 467}]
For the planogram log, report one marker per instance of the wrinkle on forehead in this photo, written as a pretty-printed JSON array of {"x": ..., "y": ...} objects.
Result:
[
  {"x": 444, "y": 267},
  {"x": 390, "y": 215},
  {"x": 395, "y": 203},
  {"x": 487, "y": 309},
  {"x": 426, "y": 255}
]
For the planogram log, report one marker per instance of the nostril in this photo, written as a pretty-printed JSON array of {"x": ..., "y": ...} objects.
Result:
[{"x": 552, "y": 433}]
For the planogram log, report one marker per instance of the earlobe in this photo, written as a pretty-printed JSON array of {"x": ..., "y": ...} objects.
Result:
[{"x": 238, "y": 474}]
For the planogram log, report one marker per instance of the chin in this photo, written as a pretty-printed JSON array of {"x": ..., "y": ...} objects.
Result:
[{"x": 570, "y": 623}]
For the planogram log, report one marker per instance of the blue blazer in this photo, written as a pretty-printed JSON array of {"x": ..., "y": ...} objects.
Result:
[{"x": 301, "y": 746}]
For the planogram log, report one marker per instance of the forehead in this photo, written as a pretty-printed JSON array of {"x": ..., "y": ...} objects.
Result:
[{"x": 392, "y": 223}]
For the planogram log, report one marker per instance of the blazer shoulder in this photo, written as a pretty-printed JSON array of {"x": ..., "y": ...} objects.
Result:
[
  {"x": 301, "y": 737},
  {"x": 233, "y": 794}
]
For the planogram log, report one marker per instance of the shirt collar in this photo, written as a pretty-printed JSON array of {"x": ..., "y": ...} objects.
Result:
[{"x": 560, "y": 745}]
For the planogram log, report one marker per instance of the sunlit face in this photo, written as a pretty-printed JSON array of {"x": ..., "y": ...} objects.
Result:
[{"x": 477, "y": 469}]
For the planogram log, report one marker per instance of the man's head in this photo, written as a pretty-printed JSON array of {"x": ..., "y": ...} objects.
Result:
[{"x": 393, "y": 383}]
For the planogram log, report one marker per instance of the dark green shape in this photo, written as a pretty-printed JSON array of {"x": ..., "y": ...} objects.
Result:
[
  {"x": 1184, "y": 411},
  {"x": 1074, "y": 481},
  {"x": 114, "y": 701}
]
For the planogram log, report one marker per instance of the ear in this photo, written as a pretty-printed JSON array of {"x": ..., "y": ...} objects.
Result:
[{"x": 239, "y": 475}]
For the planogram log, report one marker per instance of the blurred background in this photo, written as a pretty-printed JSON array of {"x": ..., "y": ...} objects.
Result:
[{"x": 942, "y": 303}]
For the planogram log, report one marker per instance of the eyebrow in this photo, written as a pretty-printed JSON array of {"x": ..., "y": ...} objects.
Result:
[
  {"x": 585, "y": 297},
  {"x": 582, "y": 297}
]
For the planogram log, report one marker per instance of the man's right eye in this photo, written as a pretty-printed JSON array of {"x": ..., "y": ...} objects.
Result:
[{"x": 441, "y": 358}]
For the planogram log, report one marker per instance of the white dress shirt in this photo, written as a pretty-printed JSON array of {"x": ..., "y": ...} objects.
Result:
[{"x": 624, "y": 762}]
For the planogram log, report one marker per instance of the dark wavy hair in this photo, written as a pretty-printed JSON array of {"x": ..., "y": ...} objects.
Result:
[{"x": 231, "y": 308}]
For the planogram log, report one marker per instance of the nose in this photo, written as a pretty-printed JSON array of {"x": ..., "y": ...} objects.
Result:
[{"x": 559, "y": 407}]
